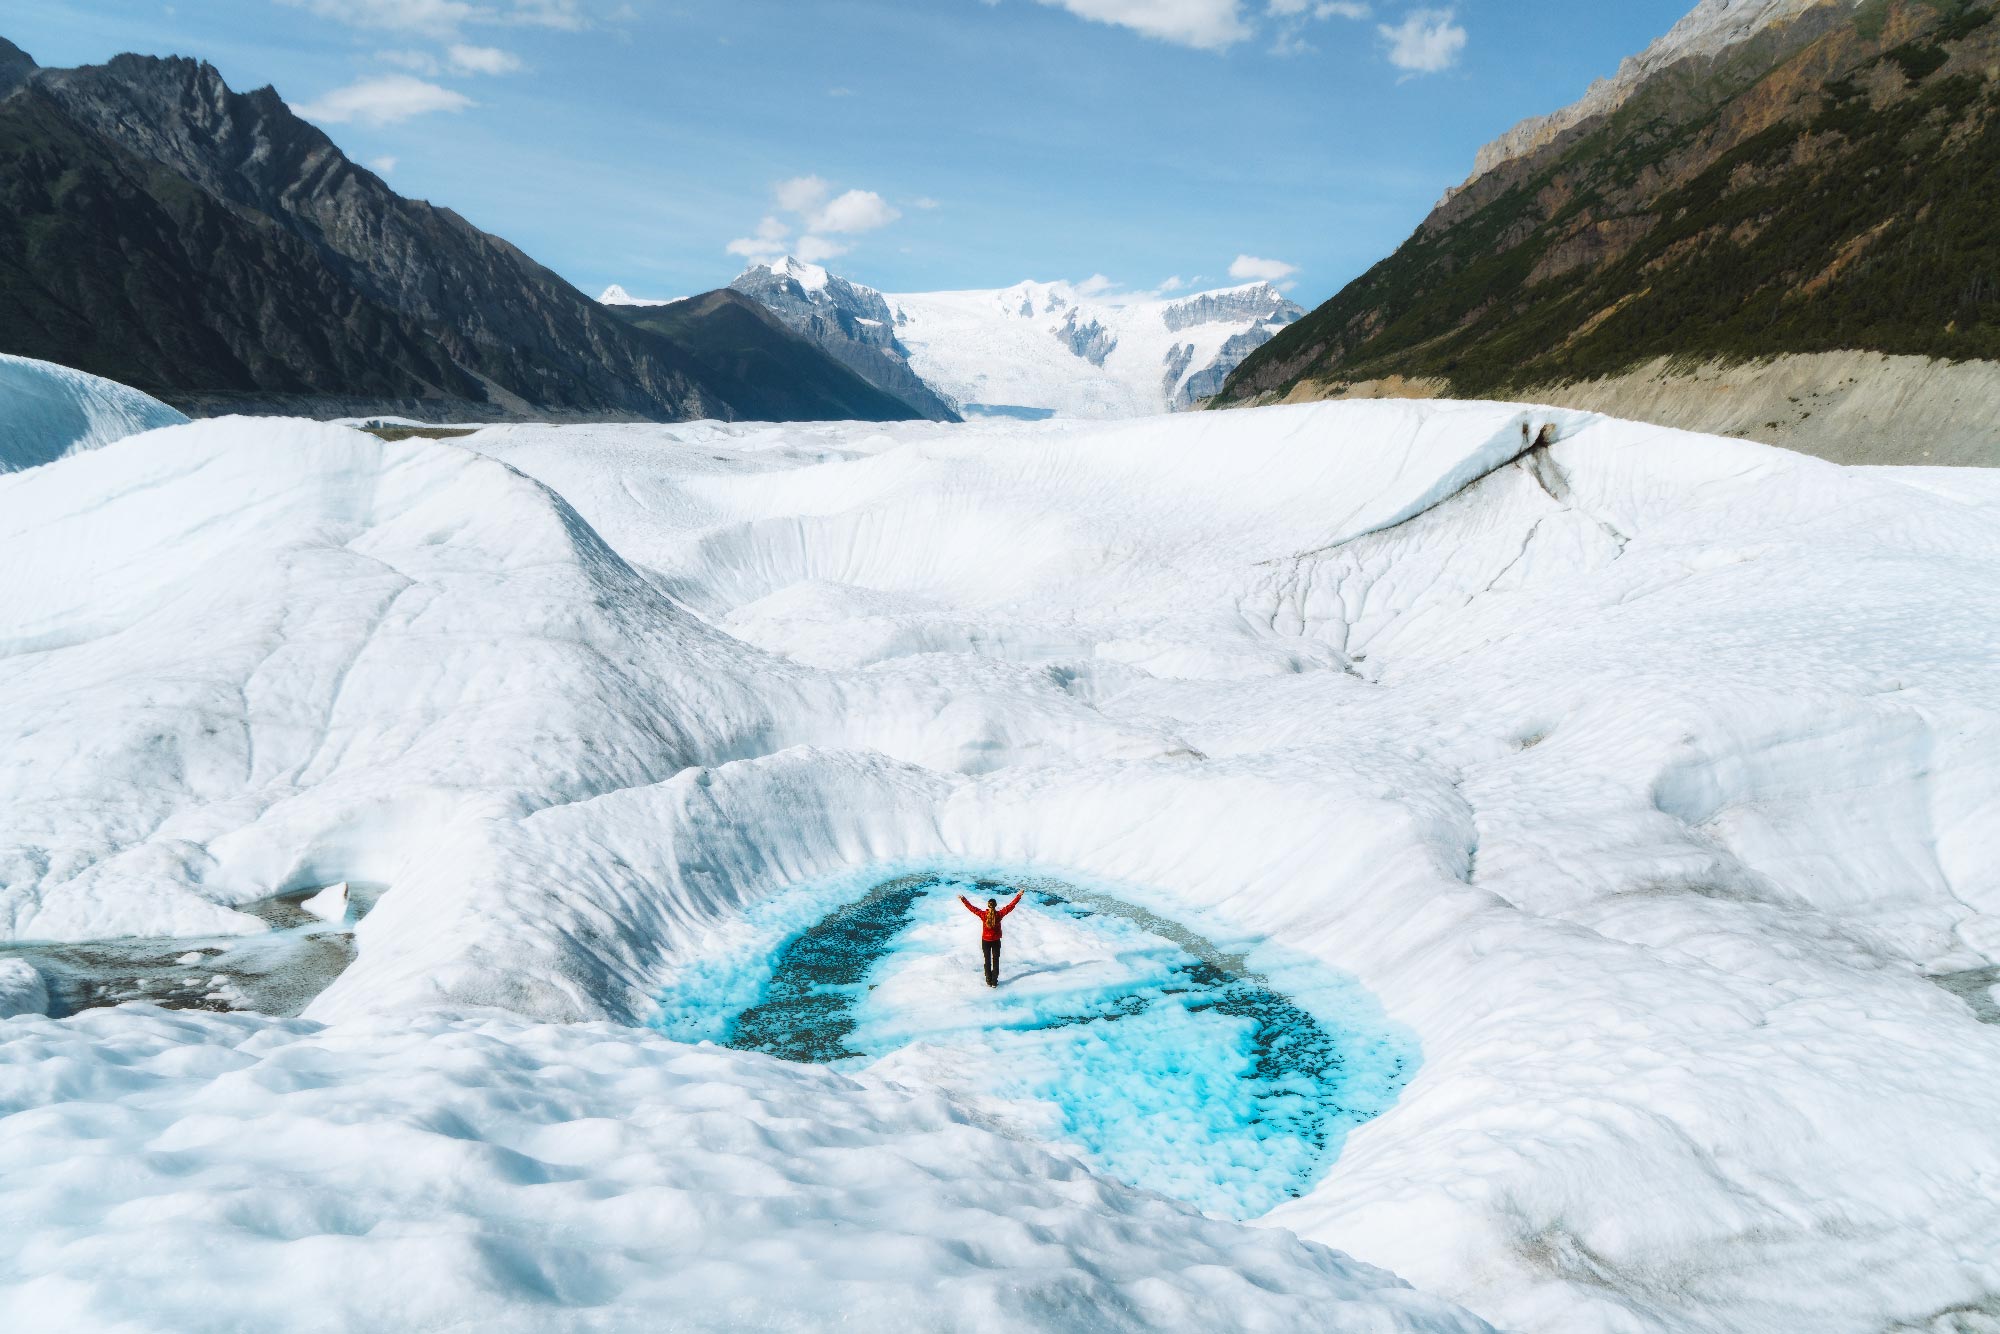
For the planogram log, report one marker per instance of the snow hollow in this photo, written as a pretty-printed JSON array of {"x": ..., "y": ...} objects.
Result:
[
  {"x": 1485, "y": 864},
  {"x": 1173, "y": 1061}
]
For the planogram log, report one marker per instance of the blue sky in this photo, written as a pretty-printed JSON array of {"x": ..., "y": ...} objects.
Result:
[{"x": 911, "y": 144}]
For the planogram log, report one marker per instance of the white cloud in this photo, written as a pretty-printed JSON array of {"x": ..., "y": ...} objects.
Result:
[
  {"x": 855, "y": 211},
  {"x": 431, "y": 16},
  {"x": 420, "y": 62},
  {"x": 1095, "y": 285},
  {"x": 564, "y": 14},
  {"x": 819, "y": 216},
  {"x": 445, "y": 18},
  {"x": 770, "y": 242},
  {"x": 1208, "y": 25},
  {"x": 1426, "y": 41},
  {"x": 1319, "y": 9},
  {"x": 382, "y": 100},
  {"x": 1173, "y": 284},
  {"x": 1249, "y": 268},
  {"x": 1215, "y": 25},
  {"x": 383, "y": 165},
  {"x": 1293, "y": 16},
  {"x": 802, "y": 194},
  {"x": 482, "y": 59},
  {"x": 818, "y": 250}
]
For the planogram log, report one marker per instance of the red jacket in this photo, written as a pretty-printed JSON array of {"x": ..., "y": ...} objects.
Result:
[{"x": 989, "y": 922}]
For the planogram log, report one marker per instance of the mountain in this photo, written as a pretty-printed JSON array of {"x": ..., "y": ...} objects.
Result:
[
  {"x": 1791, "y": 232},
  {"x": 764, "y": 369},
  {"x": 1032, "y": 350},
  {"x": 1041, "y": 348},
  {"x": 852, "y": 323},
  {"x": 213, "y": 249},
  {"x": 1711, "y": 28}
]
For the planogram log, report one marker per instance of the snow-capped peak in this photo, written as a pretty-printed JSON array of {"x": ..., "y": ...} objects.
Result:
[
  {"x": 615, "y": 295},
  {"x": 809, "y": 276}
]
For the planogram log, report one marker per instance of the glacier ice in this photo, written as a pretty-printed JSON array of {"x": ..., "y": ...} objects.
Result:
[
  {"x": 1169, "y": 1061},
  {"x": 47, "y": 411},
  {"x": 1650, "y": 781}
]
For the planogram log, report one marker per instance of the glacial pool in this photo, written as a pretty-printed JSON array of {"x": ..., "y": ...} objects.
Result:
[{"x": 1223, "y": 1072}]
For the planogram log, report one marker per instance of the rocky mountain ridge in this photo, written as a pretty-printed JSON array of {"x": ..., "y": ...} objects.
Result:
[
  {"x": 214, "y": 249},
  {"x": 1827, "y": 185},
  {"x": 1709, "y": 29},
  {"x": 852, "y": 323}
]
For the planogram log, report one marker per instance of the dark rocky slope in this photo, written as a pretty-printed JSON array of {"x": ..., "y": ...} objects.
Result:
[
  {"x": 851, "y": 323},
  {"x": 763, "y": 368},
  {"x": 213, "y": 249},
  {"x": 1831, "y": 185}
]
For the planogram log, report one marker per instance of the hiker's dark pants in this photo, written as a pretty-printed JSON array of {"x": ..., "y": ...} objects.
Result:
[{"x": 991, "y": 949}]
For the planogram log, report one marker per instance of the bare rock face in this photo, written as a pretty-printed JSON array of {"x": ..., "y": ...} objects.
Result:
[
  {"x": 852, "y": 323},
  {"x": 1712, "y": 27},
  {"x": 1208, "y": 381},
  {"x": 1259, "y": 302},
  {"x": 1086, "y": 338},
  {"x": 211, "y": 247}
]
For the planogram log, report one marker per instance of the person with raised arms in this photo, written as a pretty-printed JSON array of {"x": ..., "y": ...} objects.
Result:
[{"x": 989, "y": 931}]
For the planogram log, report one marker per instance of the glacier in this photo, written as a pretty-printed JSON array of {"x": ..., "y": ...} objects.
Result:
[
  {"x": 1648, "y": 781},
  {"x": 1059, "y": 348},
  {"x": 47, "y": 411},
  {"x": 1027, "y": 352}
]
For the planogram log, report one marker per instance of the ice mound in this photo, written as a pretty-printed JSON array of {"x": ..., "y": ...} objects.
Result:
[
  {"x": 292, "y": 650},
  {"x": 22, "y": 989},
  {"x": 330, "y": 904},
  {"x": 47, "y": 411},
  {"x": 499, "y": 1176},
  {"x": 1650, "y": 780},
  {"x": 1167, "y": 1060}
]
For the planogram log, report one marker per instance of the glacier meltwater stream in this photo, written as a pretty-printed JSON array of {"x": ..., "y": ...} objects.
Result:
[{"x": 1221, "y": 1072}]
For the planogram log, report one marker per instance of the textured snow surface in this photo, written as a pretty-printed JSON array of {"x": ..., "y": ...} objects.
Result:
[
  {"x": 47, "y": 411},
  {"x": 186, "y": 1171},
  {"x": 22, "y": 989},
  {"x": 1646, "y": 779}
]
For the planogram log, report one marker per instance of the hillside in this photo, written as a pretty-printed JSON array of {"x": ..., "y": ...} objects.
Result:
[
  {"x": 849, "y": 322},
  {"x": 1828, "y": 186},
  {"x": 215, "y": 250},
  {"x": 765, "y": 370}
]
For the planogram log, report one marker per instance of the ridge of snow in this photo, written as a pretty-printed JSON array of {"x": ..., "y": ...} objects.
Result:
[
  {"x": 48, "y": 411},
  {"x": 616, "y": 295}
]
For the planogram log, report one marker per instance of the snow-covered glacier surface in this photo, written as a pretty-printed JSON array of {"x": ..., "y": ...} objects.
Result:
[
  {"x": 1219, "y": 1072},
  {"x": 47, "y": 411},
  {"x": 1066, "y": 350},
  {"x": 1638, "y": 791}
]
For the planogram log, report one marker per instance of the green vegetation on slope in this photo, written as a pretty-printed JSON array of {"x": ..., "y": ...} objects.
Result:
[{"x": 1839, "y": 192}]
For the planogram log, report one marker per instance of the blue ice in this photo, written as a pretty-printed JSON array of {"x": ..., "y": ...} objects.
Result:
[{"x": 1222, "y": 1072}]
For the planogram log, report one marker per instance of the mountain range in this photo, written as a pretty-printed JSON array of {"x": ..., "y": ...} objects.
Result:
[
  {"x": 1033, "y": 349},
  {"x": 1777, "y": 223},
  {"x": 214, "y": 249}
]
